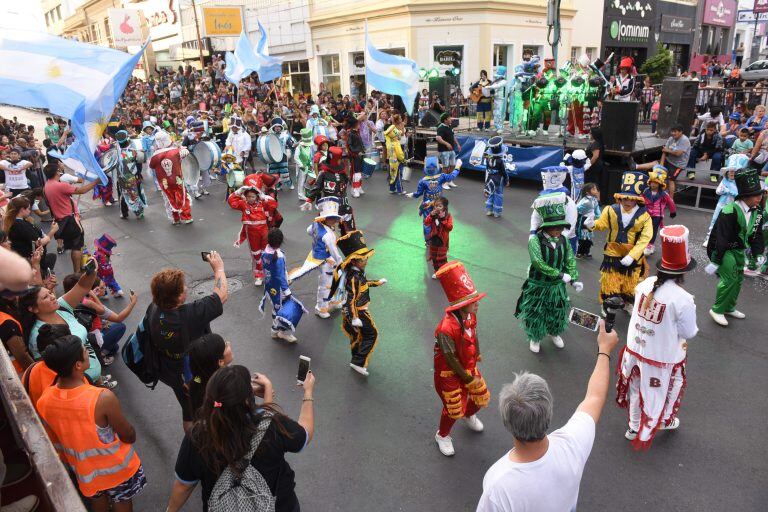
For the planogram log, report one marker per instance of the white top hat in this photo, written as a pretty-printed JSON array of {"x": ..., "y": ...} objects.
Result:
[{"x": 329, "y": 208}]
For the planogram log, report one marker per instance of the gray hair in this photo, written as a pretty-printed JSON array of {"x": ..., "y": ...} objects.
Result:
[{"x": 526, "y": 407}]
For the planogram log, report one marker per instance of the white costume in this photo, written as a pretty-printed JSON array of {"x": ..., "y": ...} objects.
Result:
[
  {"x": 241, "y": 142},
  {"x": 553, "y": 179}
]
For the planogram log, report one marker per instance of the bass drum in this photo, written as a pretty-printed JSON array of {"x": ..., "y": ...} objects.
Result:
[
  {"x": 108, "y": 160},
  {"x": 208, "y": 155},
  {"x": 190, "y": 169},
  {"x": 476, "y": 157},
  {"x": 235, "y": 178},
  {"x": 269, "y": 148},
  {"x": 141, "y": 156}
]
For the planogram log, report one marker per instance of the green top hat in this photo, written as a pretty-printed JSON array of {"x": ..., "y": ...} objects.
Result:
[
  {"x": 306, "y": 136},
  {"x": 551, "y": 207},
  {"x": 747, "y": 182}
]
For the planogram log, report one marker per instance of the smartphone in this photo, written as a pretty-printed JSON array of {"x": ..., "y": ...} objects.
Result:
[
  {"x": 90, "y": 267},
  {"x": 303, "y": 369},
  {"x": 584, "y": 319},
  {"x": 205, "y": 255}
]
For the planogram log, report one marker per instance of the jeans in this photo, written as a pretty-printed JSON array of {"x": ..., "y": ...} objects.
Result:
[
  {"x": 112, "y": 336},
  {"x": 716, "y": 158}
]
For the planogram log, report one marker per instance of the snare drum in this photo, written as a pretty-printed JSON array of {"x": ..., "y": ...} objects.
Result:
[
  {"x": 235, "y": 178},
  {"x": 208, "y": 155},
  {"x": 290, "y": 313},
  {"x": 108, "y": 160},
  {"x": 369, "y": 165},
  {"x": 269, "y": 148},
  {"x": 190, "y": 169}
]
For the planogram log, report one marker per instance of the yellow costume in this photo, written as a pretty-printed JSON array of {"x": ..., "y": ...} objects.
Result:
[{"x": 395, "y": 158}]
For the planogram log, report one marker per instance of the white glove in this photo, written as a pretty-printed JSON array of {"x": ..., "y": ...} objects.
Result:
[
  {"x": 286, "y": 292},
  {"x": 183, "y": 152},
  {"x": 711, "y": 268},
  {"x": 760, "y": 260},
  {"x": 589, "y": 223},
  {"x": 409, "y": 194},
  {"x": 356, "y": 322},
  {"x": 382, "y": 281},
  {"x": 305, "y": 207},
  {"x": 241, "y": 191},
  {"x": 458, "y": 163},
  {"x": 627, "y": 260},
  {"x": 578, "y": 286},
  {"x": 566, "y": 278}
]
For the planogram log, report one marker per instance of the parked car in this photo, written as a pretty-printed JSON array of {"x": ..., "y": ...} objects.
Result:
[{"x": 757, "y": 70}]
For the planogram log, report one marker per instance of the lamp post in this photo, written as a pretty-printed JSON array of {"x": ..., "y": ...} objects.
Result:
[{"x": 199, "y": 41}]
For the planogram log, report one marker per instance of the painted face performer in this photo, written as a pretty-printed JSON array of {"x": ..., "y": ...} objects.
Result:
[
  {"x": 498, "y": 89},
  {"x": 738, "y": 229},
  {"x": 458, "y": 381},
  {"x": 129, "y": 178},
  {"x": 652, "y": 370},
  {"x": 286, "y": 144},
  {"x": 166, "y": 163}
]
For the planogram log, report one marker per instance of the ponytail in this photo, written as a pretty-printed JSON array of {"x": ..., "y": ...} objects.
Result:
[
  {"x": 16, "y": 204},
  {"x": 661, "y": 278}
]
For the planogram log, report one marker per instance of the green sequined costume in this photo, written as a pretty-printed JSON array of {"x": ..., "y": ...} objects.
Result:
[{"x": 544, "y": 305}]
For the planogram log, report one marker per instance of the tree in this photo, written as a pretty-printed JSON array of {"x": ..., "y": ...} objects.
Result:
[{"x": 658, "y": 66}]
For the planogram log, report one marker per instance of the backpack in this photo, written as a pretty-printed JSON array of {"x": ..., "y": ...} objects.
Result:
[
  {"x": 245, "y": 491},
  {"x": 139, "y": 354}
]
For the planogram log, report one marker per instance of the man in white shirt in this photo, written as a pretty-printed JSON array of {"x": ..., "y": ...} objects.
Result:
[
  {"x": 239, "y": 140},
  {"x": 15, "y": 170},
  {"x": 542, "y": 473}
]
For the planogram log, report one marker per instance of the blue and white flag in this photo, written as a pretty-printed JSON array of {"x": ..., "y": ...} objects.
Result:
[
  {"x": 391, "y": 74},
  {"x": 78, "y": 81},
  {"x": 245, "y": 61}
]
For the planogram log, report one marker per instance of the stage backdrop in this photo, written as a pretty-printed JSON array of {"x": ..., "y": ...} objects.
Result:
[{"x": 529, "y": 161}]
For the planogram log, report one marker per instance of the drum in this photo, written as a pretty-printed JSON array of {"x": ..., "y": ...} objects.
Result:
[
  {"x": 235, "y": 178},
  {"x": 476, "y": 157},
  {"x": 108, "y": 159},
  {"x": 208, "y": 155},
  {"x": 269, "y": 148},
  {"x": 141, "y": 157},
  {"x": 190, "y": 169},
  {"x": 290, "y": 313},
  {"x": 369, "y": 165}
]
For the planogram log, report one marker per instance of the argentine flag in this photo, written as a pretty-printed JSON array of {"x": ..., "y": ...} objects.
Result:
[
  {"x": 78, "y": 81},
  {"x": 391, "y": 74},
  {"x": 245, "y": 61}
]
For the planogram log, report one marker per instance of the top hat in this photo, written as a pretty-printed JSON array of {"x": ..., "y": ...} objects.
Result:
[
  {"x": 501, "y": 71},
  {"x": 553, "y": 177},
  {"x": 626, "y": 62},
  {"x": 106, "y": 243},
  {"x": 306, "y": 136},
  {"x": 319, "y": 140},
  {"x": 431, "y": 168},
  {"x": 747, "y": 182},
  {"x": 335, "y": 154},
  {"x": 329, "y": 208},
  {"x": 147, "y": 124},
  {"x": 579, "y": 158},
  {"x": 633, "y": 183},
  {"x": 314, "y": 109},
  {"x": 675, "y": 255},
  {"x": 658, "y": 175},
  {"x": 496, "y": 145},
  {"x": 457, "y": 285},
  {"x": 352, "y": 246},
  {"x": 551, "y": 207}
]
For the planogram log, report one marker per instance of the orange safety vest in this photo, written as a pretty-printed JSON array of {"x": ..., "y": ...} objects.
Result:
[
  {"x": 36, "y": 379},
  {"x": 70, "y": 415},
  {"x": 3, "y": 317}
]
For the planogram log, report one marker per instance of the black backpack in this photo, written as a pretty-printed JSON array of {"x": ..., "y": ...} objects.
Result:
[{"x": 139, "y": 354}]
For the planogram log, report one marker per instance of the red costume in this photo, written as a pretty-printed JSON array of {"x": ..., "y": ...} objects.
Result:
[
  {"x": 167, "y": 166},
  {"x": 257, "y": 219},
  {"x": 458, "y": 382},
  {"x": 438, "y": 238},
  {"x": 265, "y": 184}
]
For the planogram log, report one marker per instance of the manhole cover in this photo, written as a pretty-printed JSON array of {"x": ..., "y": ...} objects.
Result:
[{"x": 203, "y": 288}]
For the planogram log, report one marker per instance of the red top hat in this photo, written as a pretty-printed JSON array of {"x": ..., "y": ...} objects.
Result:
[
  {"x": 675, "y": 256},
  {"x": 457, "y": 285},
  {"x": 626, "y": 62}
]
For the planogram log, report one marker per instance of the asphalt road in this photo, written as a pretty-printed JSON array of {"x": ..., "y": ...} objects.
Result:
[{"x": 374, "y": 448}]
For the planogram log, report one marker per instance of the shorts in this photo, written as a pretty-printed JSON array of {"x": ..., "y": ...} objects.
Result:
[
  {"x": 447, "y": 158},
  {"x": 127, "y": 490},
  {"x": 675, "y": 173},
  {"x": 70, "y": 233}
]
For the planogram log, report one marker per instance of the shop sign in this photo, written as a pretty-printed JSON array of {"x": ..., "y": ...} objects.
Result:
[
  {"x": 222, "y": 21},
  {"x": 125, "y": 26},
  {"x": 750, "y": 16},
  {"x": 678, "y": 24},
  {"x": 358, "y": 60},
  {"x": 629, "y": 31},
  {"x": 760, "y": 6},
  {"x": 720, "y": 12},
  {"x": 631, "y": 9},
  {"x": 448, "y": 55},
  {"x": 162, "y": 16}
]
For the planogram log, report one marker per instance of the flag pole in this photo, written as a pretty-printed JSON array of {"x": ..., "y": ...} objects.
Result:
[{"x": 199, "y": 41}]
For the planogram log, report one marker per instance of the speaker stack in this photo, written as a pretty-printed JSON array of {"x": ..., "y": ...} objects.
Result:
[
  {"x": 619, "y": 125},
  {"x": 678, "y": 105}
]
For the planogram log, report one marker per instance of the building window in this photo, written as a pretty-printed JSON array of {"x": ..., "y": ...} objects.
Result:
[
  {"x": 592, "y": 53},
  {"x": 107, "y": 31},
  {"x": 575, "y": 54},
  {"x": 47, "y": 23},
  {"x": 331, "y": 74},
  {"x": 297, "y": 72},
  {"x": 58, "y": 12}
]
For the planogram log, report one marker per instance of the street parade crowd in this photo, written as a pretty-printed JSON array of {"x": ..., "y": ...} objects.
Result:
[{"x": 275, "y": 151}]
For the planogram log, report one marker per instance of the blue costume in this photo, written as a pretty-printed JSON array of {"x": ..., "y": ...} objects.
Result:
[
  {"x": 727, "y": 188},
  {"x": 496, "y": 176},
  {"x": 287, "y": 144},
  {"x": 430, "y": 187},
  {"x": 276, "y": 287},
  {"x": 499, "y": 91}
]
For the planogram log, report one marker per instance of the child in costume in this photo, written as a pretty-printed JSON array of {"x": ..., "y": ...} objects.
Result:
[
  {"x": 357, "y": 322},
  {"x": 276, "y": 288},
  {"x": 727, "y": 191},
  {"x": 439, "y": 223},
  {"x": 102, "y": 252},
  {"x": 553, "y": 178},
  {"x": 430, "y": 188},
  {"x": 656, "y": 201},
  {"x": 458, "y": 381},
  {"x": 257, "y": 214},
  {"x": 577, "y": 164},
  {"x": 333, "y": 181},
  {"x": 305, "y": 173},
  {"x": 629, "y": 230},
  {"x": 496, "y": 177},
  {"x": 588, "y": 208},
  {"x": 395, "y": 158},
  {"x": 543, "y": 306},
  {"x": 738, "y": 229},
  {"x": 286, "y": 145}
]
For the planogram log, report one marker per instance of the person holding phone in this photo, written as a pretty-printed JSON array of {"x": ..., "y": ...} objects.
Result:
[{"x": 230, "y": 419}]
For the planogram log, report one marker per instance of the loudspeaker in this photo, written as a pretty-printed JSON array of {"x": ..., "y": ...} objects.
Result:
[
  {"x": 431, "y": 119},
  {"x": 442, "y": 86},
  {"x": 619, "y": 124},
  {"x": 678, "y": 105}
]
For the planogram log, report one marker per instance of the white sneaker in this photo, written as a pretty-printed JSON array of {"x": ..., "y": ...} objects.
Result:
[
  {"x": 751, "y": 273},
  {"x": 362, "y": 191},
  {"x": 474, "y": 423},
  {"x": 649, "y": 250},
  {"x": 446, "y": 187},
  {"x": 489, "y": 213},
  {"x": 452, "y": 184},
  {"x": 672, "y": 426},
  {"x": 118, "y": 294},
  {"x": 737, "y": 314},
  {"x": 558, "y": 341},
  {"x": 26, "y": 504},
  {"x": 322, "y": 313},
  {"x": 274, "y": 334},
  {"x": 445, "y": 444},
  {"x": 630, "y": 434},
  {"x": 258, "y": 281},
  {"x": 534, "y": 346},
  {"x": 198, "y": 195},
  {"x": 355, "y": 193},
  {"x": 496, "y": 215},
  {"x": 286, "y": 336},
  {"x": 718, "y": 318},
  {"x": 206, "y": 193},
  {"x": 362, "y": 370},
  {"x": 292, "y": 187}
]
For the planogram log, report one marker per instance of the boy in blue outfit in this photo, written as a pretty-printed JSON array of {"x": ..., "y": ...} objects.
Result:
[
  {"x": 430, "y": 187},
  {"x": 286, "y": 310},
  {"x": 496, "y": 177}
]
